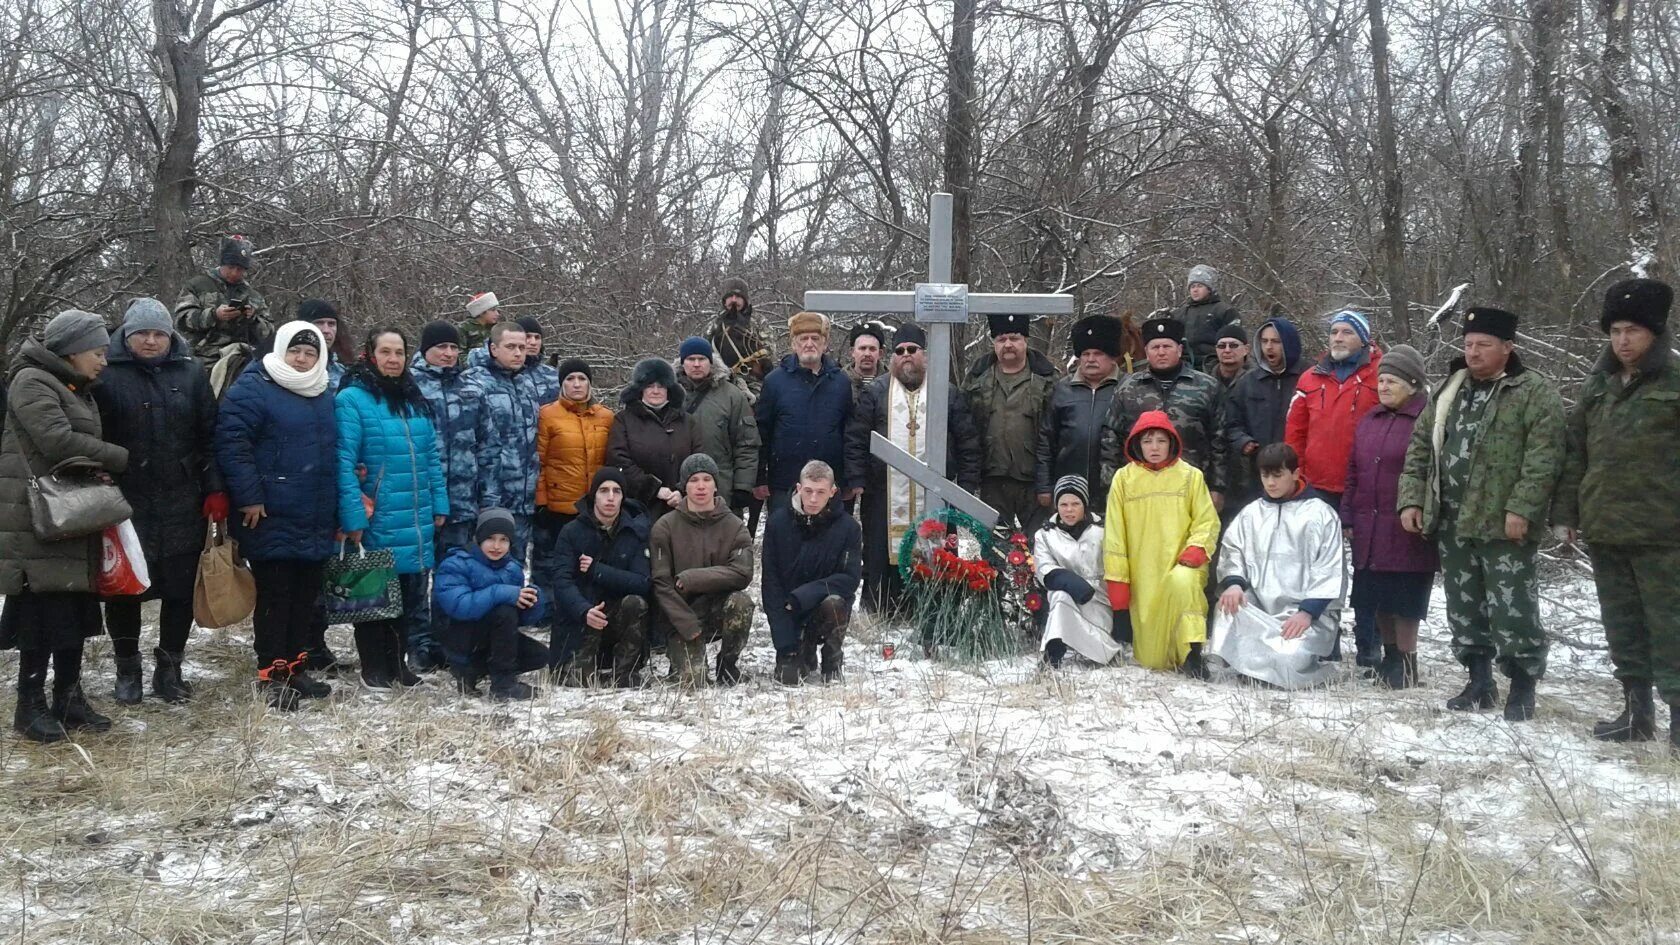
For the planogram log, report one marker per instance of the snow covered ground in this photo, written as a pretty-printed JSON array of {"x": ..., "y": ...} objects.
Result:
[{"x": 915, "y": 802}]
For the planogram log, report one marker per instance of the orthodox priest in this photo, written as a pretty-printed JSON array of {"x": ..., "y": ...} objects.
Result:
[{"x": 895, "y": 406}]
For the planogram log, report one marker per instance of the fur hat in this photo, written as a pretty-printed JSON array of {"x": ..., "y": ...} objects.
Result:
[
  {"x": 651, "y": 371},
  {"x": 1641, "y": 301},
  {"x": 235, "y": 251},
  {"x": 1404, "y": 362},
  {"x": 481, "y": 303},
  {"x": 1101, "y": 332},
  {"x": 697, "y": 463},
  {"x": 438, "y": 333},
  {"x": 735, "y": 285},
  {"x": 1008, "y": 324},
  {"x": 572, "y": 366},
  {"x": 1491, "y": 321},
  {"x": 803, "y": 322},
  {"x": 873, "y": 328},
  {"x": 493, "y": 522},
  {"x": 73, "y": 331},
  {"x": 1157, "y": 328},
  {"x": 1204, "y": 274}
]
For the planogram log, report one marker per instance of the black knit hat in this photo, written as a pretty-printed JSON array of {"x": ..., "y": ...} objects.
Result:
[
  {"x": 605, "y": 475},
  {"x": 1157, "y": 328},
  {"x": 438, "y": 333},
  {"x": 316, "y": 310},
  {"x": 1234, "y": 330},
  {"x": 1101, "y": 332},
  {"x": 1491, "y": 321},
  {"x": 493, "y": 522},
  {"x": 529, "y": 325},
  {"x": 1641, "y": 301},
  {"x": 308, "y": 338},
  {"x": 1008, "y": 324},
  {"x": 235, "y": 251},
  {"x": 572, "y": 366}
]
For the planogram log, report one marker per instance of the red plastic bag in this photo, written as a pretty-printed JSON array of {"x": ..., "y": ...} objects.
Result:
[{"x": 122, "y": 569}]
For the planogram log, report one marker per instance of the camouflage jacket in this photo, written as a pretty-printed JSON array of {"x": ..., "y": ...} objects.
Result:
[
  {"x": 195, "y": 316},
  {"x": 1621, "y": 473},
  {"x": 1192, "y": 404},
  {"x": 1514, "y": 460},
  {"x": 507, "y": 439},
  {"x": 455, "y": 415},
  {"x": 1007, "y": 410},
  {"x": 473, "y": 336}
]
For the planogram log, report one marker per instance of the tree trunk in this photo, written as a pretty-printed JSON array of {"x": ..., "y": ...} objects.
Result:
[
  {"x": 1641, "y": 219},
  {"x": 1393, "y": 231},
  {"x": 959, "y": 134},
  {"x": 1551, "y": 19},
  {"x": 182, "y": 66}
]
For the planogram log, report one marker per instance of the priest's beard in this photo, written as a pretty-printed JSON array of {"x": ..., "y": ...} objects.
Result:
[{"x": 910, "y": 375}]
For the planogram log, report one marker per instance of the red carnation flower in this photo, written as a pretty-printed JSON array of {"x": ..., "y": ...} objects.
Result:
[
  {"x": 1017, "y": 558},
  {"x": 1035, "y": 602}
]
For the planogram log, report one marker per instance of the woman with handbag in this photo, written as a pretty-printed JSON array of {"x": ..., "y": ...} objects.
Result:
[
  {"x": 155, "y": 401},
  {"x": 50, "y": 605},
  {"x": 388, "y": 459},
  {"x": 277, "y": 446}
]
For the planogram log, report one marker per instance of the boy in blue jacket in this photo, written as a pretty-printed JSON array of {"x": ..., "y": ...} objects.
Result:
[{"x": 482, "y": 589}]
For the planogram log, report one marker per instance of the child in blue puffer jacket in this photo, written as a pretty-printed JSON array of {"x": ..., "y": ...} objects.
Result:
[{"x": 482, "y": 590}]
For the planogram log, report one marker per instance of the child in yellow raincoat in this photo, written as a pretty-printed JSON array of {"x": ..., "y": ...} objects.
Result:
[{"x": 1160, "y": 529}]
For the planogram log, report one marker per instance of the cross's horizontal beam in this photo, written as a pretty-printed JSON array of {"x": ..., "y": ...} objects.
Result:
[
  {"x": 904, "y": 303},
  {"x": 938, "y": 486}
]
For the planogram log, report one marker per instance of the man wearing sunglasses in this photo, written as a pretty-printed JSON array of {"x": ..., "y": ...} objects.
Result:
[
  {"x": 1231, "y": 354},
  {"x": 895, "y": 406}
]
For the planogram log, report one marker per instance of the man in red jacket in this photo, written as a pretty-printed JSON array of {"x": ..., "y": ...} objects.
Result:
[{"x": 1330, "y": 400}]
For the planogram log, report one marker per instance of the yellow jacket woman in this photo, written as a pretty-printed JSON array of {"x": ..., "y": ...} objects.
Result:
[
  {"x": 1160, "y": 528},
  {"x": 571, "y": 445}
]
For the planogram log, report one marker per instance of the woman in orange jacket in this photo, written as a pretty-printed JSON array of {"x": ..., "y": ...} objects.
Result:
[{"x": 571, "y": 445}]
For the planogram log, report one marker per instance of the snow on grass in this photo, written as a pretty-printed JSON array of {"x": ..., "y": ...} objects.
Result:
[{"x": 915, "y": 802}]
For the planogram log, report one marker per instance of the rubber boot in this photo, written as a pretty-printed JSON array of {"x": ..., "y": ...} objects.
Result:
[
  {"x": 1481, "y": 692},
  {"x": 510, "y": 689},
  {"x": 370, "y": 649},
  {"x": 129, "y": 685},
  {"x": 70, "y": 706},
  {"x": 1391, "y": 672},
  {"x": 33, "y": 718},
  {"x": 1194, "y": 666},
  {"x": 1519, "y": 703},
  {"x": 1638, "y": 721},
  {"x": 167, "y": 683}
]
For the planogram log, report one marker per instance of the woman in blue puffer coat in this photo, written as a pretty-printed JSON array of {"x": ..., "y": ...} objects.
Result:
[
  {"x": 277, "y": 446},
  {"x": 387, "y": 456}
]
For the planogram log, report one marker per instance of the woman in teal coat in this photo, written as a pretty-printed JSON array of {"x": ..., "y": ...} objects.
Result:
[{"x": 387, "y": 457}]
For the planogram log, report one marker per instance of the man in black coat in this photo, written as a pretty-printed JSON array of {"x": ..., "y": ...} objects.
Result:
[
  {"x": 1257, "y": 408},
  {"x": 812, "y": 565},
  {"x": 601, "y": 587},
  {"x": 1070, "y": 430},
  {"x": 895, "y": 406}
]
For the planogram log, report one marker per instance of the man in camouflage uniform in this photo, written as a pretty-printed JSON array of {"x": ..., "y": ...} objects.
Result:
[
  {"x": 1479, "y": 475},
  {"x": 1620, "y": 490},
  {"x": 737, "y": 339},
  {"x": 1189, "y": 398},
  {"x": 1007, "y": 390},
  {"x": 219, "y": 308},
  {"x": 507, "y": 433},
  {"x": 483, "y": 312}
]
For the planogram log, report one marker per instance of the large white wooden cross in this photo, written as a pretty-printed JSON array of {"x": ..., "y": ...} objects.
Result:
[{"x": 938, "y": 304}]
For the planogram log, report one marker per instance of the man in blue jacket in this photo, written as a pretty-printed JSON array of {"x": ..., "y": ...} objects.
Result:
[
  {"x": 813, "y": 563},
  {"x": 601, "y": 587},
  {"x": 802, "y": 412},
  {"x": 483, "y": 591}
]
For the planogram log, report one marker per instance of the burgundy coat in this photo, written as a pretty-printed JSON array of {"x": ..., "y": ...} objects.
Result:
[{"x": 1373, "y": 485}]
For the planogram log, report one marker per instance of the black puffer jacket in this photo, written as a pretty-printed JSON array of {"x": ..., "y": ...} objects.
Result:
[
  {"x": 1070, "y": 436},
  {"x": 165, "y": 416},
  {"x": 620, "y": 568}
]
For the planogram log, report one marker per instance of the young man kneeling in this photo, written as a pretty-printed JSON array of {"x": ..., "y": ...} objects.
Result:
[
  {"x": 482, "y": 589},
  {"x": 813, "y": 563},
  {"x": 601, "y": 587},
  {"x": 1283, "y": 579},
  {"x": 702, "y": 564}
]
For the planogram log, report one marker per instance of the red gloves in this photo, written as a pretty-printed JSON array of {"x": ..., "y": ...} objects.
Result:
[
  {"x": 1193, "y": 557},
  {"x": 216, "y": 507},
  {"x": 1119, "y": 595}
]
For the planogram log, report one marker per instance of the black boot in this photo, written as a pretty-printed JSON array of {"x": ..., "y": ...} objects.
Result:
[
  {"x": 1519, "y": 704},
  {"x": 1638, "y": 721},
  {"x": 70, "y": 706},
  {"x": 1481, "y": 692},
  {"x": 510, "y": 689},
  {"x": 729, "y": 672},
  {"x": 324, "y": 661},
  {"x": 396, "y": 656},
  {"x": 1194, "y": 666},
  {"x": 33, "y": 718},
  {"x": 370, "y": 649},
  {"x": 1674, "y": 727},
  {"x": 306, "y": 686},
  {"x": 466, "y": 681},
  {"x": 788, "y": 666},
  {"x": 129, "y": 686},
  {"x": 810, "y": 647},
  {"x": 167, "y": 683},
  {"x": 279, "y": 696},
  {"x": 1393, "y": 672}
]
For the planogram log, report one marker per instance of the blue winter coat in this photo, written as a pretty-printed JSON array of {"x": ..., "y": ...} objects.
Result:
[
  {"x": 467, "y": 586},
  {"x": 807, "y": 558},
  {"x": 507, "y": 439},
  {"x": 455, "y": 413},
  {"x": 403, "y": 475},
  {"x": 279, "y": 450},
  {"x": 801, "y": 417},
  {"x": 620, "y": 566}
]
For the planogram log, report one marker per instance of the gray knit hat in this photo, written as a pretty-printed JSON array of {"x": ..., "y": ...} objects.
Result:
[
  {"x": 145, "y": 314},
  {"x": 1404, "y": 362},
  {"x": 697, "y": 463},
  {"x": 493, "y": 521},
  {"x": 73, "y": 331}
]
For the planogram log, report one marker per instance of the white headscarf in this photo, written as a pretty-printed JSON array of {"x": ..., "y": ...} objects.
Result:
[{"x": 308, "y": 383}]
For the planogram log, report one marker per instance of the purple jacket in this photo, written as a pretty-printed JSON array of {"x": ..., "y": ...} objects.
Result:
[{"x": 1373, "y": 485}]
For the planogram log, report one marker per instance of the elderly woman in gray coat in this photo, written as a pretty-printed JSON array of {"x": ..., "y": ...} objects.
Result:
[{"x": 51, "y": 607}]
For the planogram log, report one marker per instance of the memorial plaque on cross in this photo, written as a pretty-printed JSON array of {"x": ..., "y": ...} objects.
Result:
[{"x": 937, "y": 304}]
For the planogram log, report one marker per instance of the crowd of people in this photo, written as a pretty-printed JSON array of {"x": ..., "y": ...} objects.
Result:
[{"x": 1218, "y": 507}]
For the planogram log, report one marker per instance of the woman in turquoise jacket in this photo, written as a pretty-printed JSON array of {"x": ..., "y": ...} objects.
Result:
[{"x": 388, "y": 459}]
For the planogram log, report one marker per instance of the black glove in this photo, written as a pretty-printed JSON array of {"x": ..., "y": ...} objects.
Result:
[
  {"x": 740, "y": 499},
  {"x": 1122, "y": 631},
  {"x": 1070, "y": 584}
]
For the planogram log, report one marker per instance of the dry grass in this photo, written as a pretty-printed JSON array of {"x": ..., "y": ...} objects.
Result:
[{"x": 909, "y": 805}]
